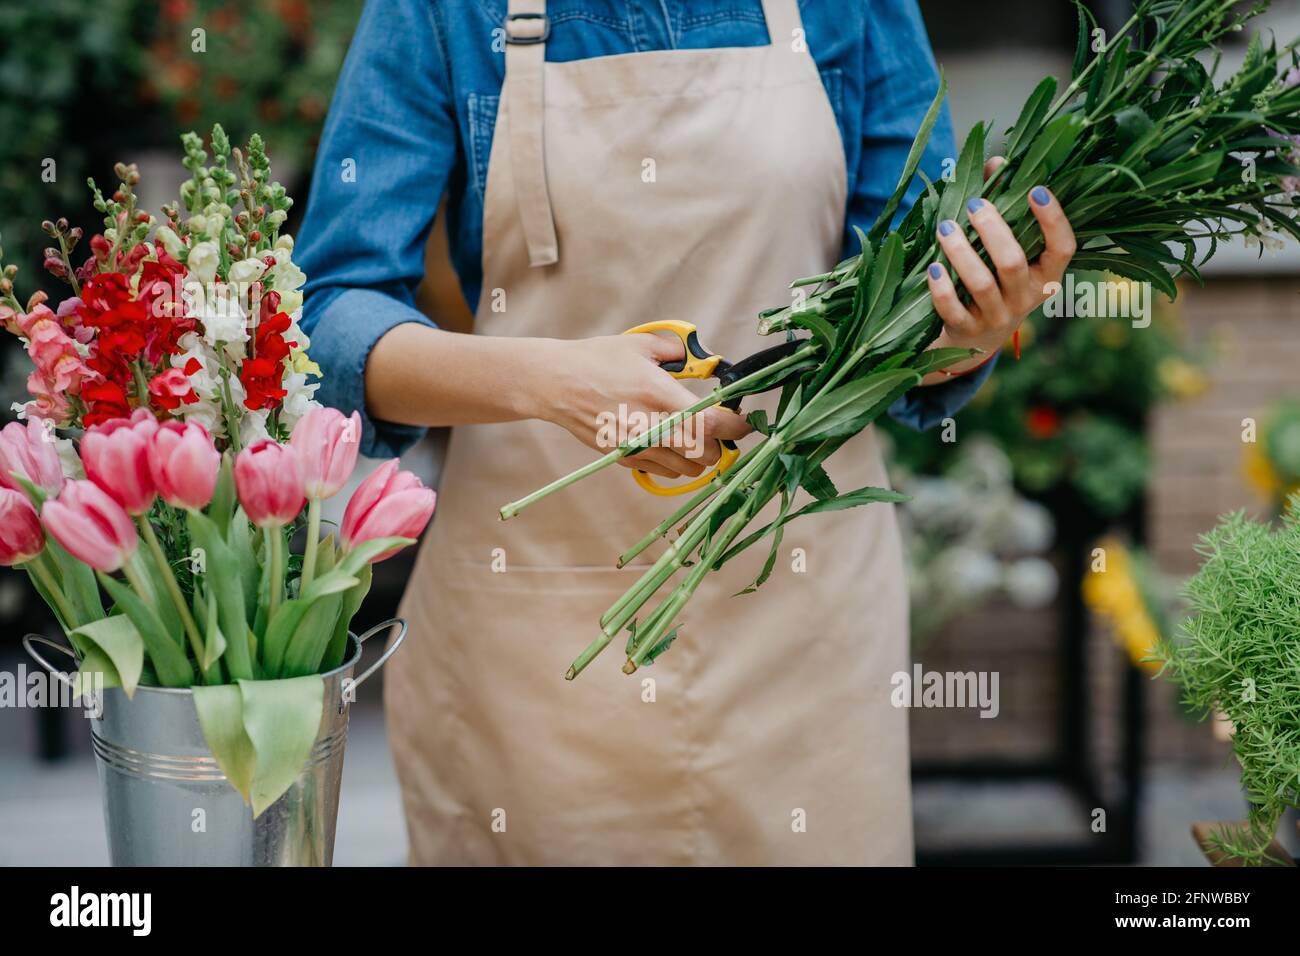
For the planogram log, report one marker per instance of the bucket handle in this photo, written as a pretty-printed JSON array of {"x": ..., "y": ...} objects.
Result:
[
  {"x": 392, "y": 648},
  {"x": 58, "y": 675}
]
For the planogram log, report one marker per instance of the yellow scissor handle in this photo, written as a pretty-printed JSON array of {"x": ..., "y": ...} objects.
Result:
[{"x": 697, "y": 363}]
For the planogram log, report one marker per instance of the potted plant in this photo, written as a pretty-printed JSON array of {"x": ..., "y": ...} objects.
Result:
[
  {"x": 1236, "y": 656},
  {"x": 169, "y": 453}
]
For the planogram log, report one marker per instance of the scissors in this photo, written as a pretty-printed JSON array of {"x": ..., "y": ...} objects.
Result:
[{"x": 699, "y": 362}]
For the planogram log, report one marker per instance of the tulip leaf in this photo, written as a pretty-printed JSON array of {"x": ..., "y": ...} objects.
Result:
[
  {"x": 240, "y": 539},
  {"x": 353, "y": 598},
  {"x": 312, "y": 636},
  {"x": 117, "y": 639},
  {"x": 214, "y": 642},
  {"x": 223, "y": 496},
  {"x": 224, "y": 581},
  {"x": 78, "y": 580},
  {"x": 282, "y": 720},
  {"x": 362, "y": 554},
  {"x": 96, "y": 672},
  {"x": 168, "y": 658},
  {"x": 285, "y": 621},
  {"x": 221, "y": 717}
]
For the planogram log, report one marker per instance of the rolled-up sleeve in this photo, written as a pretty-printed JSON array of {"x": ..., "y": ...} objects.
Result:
[
  {"x": 385, "y": 156},
  {"x": 901, "y": 82}
]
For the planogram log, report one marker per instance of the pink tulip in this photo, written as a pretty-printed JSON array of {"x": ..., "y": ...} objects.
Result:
[
  {"x": 29, "y": 450},
  {"x": 184, "y": 464},
  {"x": 388, "y": 503},
  {"x": 91, "y": 526},
  {"x": 21, "y": 537},
  {"x": 268, "y": 477},
  {"x": 327, "y": 443},
  {"x": 116, "y": 456}
]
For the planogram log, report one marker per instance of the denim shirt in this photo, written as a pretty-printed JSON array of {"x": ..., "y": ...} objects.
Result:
[{"x": 413, "y": 118}]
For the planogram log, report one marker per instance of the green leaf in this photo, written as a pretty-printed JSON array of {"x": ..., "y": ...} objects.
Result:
[
  {"x": 117, "y": 639},
  {"x": 285, "y": 621},
  {"x": 78, "y": 582},
  {"x": 758, "y": 421},
  {"x": 312, "y": 636},
  {"x": 1130, "y": 267},
  {"x": 1048, "y": 150},
  {"x": 353, "y": 561},
  {"x": 221, "y": 717},
  {"x": 914, "y": 155},
  {"x": 817, "y": 483},
  {"x": 830, "y": 412},
  {"x": 968, "y": 177},
  {"x": 1184, "y": 176},
  {"x": 240, "y": 539},
  {"x": 1081, "y": 48},
  {"x": 95, "y": 662},
  {"x": 224, "y": 579},
  {"x": 1132, "y": 124},
  {"x": 214, "y": 642},
  {"x": 282, "y": 719},
  {"x": 933, "y": 360},
  {"x": 222, "y": 506},
  {"x": 882, "y": 286},
  {"x": 664, "y": 643},
  {"x": 353, "y": 598},
  {"x": 167, "y": 656},
  {"x": 1031, "y": 117}
]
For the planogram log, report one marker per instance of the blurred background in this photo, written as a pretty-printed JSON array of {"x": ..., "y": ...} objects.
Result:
[{"x": 1101, "y": 435}]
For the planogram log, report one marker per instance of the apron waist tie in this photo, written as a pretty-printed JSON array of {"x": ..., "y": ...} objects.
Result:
[{"x": 527, "y": 28}]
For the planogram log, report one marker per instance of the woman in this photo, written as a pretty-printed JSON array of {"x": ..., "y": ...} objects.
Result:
[{"x": 607, "y": 163}]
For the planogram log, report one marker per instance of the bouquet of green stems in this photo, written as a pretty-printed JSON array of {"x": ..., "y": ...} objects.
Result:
[{"x": 1144, "y": 149}]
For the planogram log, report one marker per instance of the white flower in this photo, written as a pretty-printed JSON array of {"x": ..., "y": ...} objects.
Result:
[
  {"x": 291, "y": 301},
  {"x": 223, "y": 319},
  {"x": 69, "y": 460},
  {"x": 170, "y": 241},
  {"x": 197, "y": 225},
  {"x": 299, "y": 397},
  {"x": 246, "y": 271},
  {"x": 253, "y": 427},
  {"x": 202, "y": 261}
]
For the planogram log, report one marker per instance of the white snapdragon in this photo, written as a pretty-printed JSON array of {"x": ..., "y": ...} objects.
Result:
[
  {"x": 170, "y": 241},
  {"x": 202, "y": 262}
]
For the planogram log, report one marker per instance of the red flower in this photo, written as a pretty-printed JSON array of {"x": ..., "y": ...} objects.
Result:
[
  {"x": 262, "y": 378},
  {"x": 171, "y": 388},
  {"x": 105, "y": 401},
  {"x": 160, "y": 283},
  {"x": 1042, "y": 422}
]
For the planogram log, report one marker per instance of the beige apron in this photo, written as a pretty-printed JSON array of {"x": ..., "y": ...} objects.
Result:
[{"x": 691, "y": 184}]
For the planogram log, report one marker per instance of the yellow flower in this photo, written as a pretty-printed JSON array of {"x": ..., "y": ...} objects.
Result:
[{"x": 1113, "y": 594}]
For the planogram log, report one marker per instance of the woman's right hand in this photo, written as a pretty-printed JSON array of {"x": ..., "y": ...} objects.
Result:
[{"x": 609, "y": 389}]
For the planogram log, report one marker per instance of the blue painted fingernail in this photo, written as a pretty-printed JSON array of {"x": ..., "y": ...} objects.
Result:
[
  {"x": 936, "y": 271},
  {"x": 946, "y": 227},
  {"x": 975, "y": 205},
  {"x": 1040, "y": 195}
]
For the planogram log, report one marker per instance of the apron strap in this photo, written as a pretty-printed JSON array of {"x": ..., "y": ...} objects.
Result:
[
  {"x": 527, "y": 28},
  {"x": 782, "y": 20}
]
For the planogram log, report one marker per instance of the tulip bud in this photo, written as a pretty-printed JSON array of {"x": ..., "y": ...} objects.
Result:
[
  {"x": 184, "y": 464},
  {"x": 268, "y": 479},
  {"x": 21, "y": 537},
  {"x": 116, "y": 457},
  {"x": 91, "y": 526},
  {"x": 390, "y": 503},
  {"x": 327, "y": 443},
  {"x": 28, "y": 450}
]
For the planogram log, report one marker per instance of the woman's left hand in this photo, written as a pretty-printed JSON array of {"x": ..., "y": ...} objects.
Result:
[{"x": 1000, "y": 303}]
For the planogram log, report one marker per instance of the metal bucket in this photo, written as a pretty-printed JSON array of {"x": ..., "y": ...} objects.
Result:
[{"x": 166, "y": 801}]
